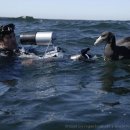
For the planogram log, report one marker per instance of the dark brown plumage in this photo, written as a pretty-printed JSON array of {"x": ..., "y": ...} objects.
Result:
[{"x": 114, "y": 50}]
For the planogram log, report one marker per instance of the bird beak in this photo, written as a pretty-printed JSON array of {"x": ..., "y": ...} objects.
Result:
[{"x": 99, "y": 40}]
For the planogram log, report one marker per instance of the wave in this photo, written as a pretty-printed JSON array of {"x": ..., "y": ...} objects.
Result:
[{"x": 110, "y": 25}]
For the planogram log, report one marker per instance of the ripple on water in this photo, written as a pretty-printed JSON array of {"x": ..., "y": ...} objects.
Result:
[{"x": 66, "y": 95}]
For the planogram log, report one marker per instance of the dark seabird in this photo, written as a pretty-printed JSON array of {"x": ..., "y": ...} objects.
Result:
[
  {"x": 114, "y": 50},
  {"x": 83, "y": 55}
]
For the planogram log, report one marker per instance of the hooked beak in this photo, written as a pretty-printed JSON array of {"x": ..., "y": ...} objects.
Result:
[{"x": 99, "y": 40}]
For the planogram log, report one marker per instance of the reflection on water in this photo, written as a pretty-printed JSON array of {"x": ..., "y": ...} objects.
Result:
[
  {"x": 9, "y": 73},
  {"x": 115, "y": 77},
  {"x": 9, "y": 69}
]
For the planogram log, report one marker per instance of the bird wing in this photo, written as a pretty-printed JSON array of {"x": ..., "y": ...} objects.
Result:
[{"x": 124, "y": 42}]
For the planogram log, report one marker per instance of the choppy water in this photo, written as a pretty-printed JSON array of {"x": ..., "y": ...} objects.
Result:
[{"x": 66, "y": 95}]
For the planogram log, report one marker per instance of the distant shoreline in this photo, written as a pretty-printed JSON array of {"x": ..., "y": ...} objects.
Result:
[{"x": 32, "y": 18}]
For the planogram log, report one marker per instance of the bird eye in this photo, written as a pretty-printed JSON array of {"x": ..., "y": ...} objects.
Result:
[{"x": 103, "y": 35}]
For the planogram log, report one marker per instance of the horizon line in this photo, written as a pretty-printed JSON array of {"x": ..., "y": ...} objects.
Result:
[{"x": 65, "y": 19}]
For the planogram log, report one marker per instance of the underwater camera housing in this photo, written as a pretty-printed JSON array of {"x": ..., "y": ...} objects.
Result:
[
  {"x": 44, "y": 39},
  {"x": 38, "y": 38}
]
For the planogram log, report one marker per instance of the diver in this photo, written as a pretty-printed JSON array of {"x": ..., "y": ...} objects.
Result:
[
  {"x": 8, "y": 43},
  {"x": 10, "y": 48}
]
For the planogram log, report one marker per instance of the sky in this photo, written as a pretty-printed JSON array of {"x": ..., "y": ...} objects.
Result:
[{"x": 67, "y": 9}]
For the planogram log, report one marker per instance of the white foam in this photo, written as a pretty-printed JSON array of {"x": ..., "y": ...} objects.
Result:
[{"x": 49, "y": 55}]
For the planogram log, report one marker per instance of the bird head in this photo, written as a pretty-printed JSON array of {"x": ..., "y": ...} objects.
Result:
[{"x": 107, "y": 37}]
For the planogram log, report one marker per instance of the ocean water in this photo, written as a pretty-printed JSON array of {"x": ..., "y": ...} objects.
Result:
[{"x": 66, "y": 95}]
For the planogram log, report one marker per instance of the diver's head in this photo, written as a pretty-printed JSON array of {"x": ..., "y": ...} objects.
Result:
[{"x": 7, "y": 37}]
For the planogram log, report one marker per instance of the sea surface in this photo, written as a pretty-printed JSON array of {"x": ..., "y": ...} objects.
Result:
[{"x": 66, "y": 95}]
